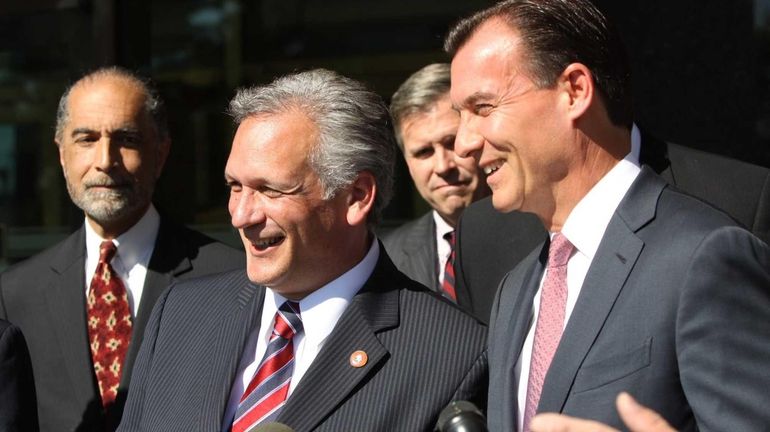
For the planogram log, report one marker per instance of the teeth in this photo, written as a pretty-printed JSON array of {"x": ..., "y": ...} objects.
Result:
[
  {"x": 267, "y": 242},
  {"x": 492, "y": 168}
]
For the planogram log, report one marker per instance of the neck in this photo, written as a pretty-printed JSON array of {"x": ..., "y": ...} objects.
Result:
[{"x": 599, "y": 151}]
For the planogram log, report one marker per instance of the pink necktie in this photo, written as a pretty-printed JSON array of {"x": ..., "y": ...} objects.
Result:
[{"x": 550, "y": 321}]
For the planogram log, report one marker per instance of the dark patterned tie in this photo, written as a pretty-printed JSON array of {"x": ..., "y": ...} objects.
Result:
[
  {"x": 448, "y": 286},
  {"x": 266, "y": 393},
  {"x": 550, "y": 321},
  {"x": 109, "y": 324}
]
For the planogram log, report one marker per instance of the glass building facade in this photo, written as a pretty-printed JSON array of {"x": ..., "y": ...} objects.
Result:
[{"x": 701, "y": 77}]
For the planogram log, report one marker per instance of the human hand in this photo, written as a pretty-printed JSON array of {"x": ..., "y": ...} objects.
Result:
[{"x": 636, "y": 417}]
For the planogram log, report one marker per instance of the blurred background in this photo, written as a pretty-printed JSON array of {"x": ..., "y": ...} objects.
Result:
[{"x": 701, "y": 78}]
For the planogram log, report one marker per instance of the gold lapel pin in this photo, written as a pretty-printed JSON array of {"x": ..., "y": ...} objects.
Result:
[{"x": 358, "y": 359}]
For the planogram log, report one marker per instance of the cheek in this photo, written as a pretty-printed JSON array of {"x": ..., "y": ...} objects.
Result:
[{"x": 420, "y": 170}]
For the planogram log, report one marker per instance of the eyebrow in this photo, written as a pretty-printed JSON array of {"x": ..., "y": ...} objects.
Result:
[
  {"x": 120, "y": 130},
  {"x": 473, "y": 98}
]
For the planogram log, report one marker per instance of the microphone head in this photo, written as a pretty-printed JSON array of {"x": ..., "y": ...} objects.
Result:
[
  {"x": 271, "y": 427},
  {"x": 461, "y": 416}
]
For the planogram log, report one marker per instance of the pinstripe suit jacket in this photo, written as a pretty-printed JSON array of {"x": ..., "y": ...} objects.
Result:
[
  {"x": 196, "y": 335},
  {"x": 45, "y": 297},
  {"x": 673, "y": 310}
]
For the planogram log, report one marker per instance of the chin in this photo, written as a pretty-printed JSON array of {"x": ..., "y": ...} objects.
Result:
[{"x": 503, "y": 204}]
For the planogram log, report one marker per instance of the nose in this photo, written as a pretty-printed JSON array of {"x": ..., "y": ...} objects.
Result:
[
  {"x": 246, "y": 209},
  {"x": 468, "y": 141},
  {"x": 443, "y": 160},
  {"x": 106, "y": 156}
]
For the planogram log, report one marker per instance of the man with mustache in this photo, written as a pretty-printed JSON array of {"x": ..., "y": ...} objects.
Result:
[
  {"x": 83, "y": 303},
  {"x": 425, "y": 125}
]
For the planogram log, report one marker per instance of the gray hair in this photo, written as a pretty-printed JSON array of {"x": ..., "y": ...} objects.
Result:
[
  {"x": 353, "y": 124},
  {"x": 153, "y": 104},
  {"x": 418, "y": 94}
]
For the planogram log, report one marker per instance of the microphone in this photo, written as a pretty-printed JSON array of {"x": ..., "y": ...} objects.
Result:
[
  {"x": 271, "y": 427},
  {"x": 461, "y": 416}
]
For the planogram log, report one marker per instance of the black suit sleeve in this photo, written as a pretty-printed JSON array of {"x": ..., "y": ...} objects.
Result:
[{"x": 18, "y": 411}]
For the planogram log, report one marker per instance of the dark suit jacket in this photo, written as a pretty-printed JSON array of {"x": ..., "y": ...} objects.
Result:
[
  {"x": 17, "y": 388},
  {"x": 423, "y": 353},
  {"x": 412, "y": 247},
  {"x": 670, "y": 310},
  {"x": 45, "y": 297},
  {"x": 490, "y": 243}
]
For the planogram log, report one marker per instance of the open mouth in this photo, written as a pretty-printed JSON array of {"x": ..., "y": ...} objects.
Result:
[
  {"x": 264, "y": 244},
  {"x": 494, "y": 166}
]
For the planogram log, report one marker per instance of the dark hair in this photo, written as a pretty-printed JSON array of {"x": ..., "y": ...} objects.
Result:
[
  {"x": 557, "y": 33},
  {"x": 152, "y": 104},
  {"x": 418, "y": 94}
]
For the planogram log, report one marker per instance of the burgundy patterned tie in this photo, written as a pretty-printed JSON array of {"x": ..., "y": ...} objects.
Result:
[
  {"x": 266, "y": 393},
  {"x": 448, "y": 286},
  {"x": 109, "y": 324},
  {"x": 550, "y": 321}
]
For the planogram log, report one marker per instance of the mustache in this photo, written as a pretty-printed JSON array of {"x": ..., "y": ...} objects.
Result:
[{"x": 106, "y": 182}]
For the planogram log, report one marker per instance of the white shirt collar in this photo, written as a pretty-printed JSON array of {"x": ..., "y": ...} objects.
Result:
[
  {"x": 321, "y": 310},
  {"x": 587, "y": 222},
  {"x": 133, "y": 245},
  {"x": 442, "y": 227}
]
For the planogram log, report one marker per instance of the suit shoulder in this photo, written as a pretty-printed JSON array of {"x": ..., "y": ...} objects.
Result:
[
  {"x": 691, "y": 213},
  {"x": 716, "y": 163},
  {"x": 438, "y": 315},
  {"x": 216, "y": 283},
  {"x": 32, "y": 266},
  {"x": 398, "y": 235}
]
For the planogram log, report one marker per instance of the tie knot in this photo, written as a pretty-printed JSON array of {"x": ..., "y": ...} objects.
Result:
[
  {"x": 288, "y": 321},
  {"x": 559, "y": 251},
  {"x": 107, "y": 251},
  {"x": 450, "y": 238}
]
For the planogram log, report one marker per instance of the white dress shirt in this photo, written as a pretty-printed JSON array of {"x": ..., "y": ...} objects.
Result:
[
  {"x": 584, "y": 228},
  {"x": 135, "y": 248},
  {"x": 443, "y": 249},
  {"x": 319, "y": 311}
]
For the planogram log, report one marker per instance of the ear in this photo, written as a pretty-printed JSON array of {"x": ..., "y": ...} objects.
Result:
[
  {"x": 578, "y": 83},
  {"x": 361, "y": 198},
  {"x": 164, "y": 147},
  {"x": 61, "y": 151}
]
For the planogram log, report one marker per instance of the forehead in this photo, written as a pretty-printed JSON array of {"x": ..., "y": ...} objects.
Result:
[
  {"x": 276, "y": 143},
  {"x": 440, "y": 119},
  {"x": 106, "y": 103},
  {"x": 491, "y": 58}
]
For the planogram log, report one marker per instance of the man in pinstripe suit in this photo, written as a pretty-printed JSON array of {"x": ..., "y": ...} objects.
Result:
[{"x": 309, "y": 172}]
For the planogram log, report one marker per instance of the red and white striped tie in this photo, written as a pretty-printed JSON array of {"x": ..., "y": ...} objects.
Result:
[{"x": 266, "y": 393}]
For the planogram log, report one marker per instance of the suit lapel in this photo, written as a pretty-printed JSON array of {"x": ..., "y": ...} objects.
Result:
[
  {"x": 331, "y": 379},
  {"x": 239, "y": 318},
  {"x": 610, "y": 268},
  {"x": 421, "y": 250},
  {"x": 169, "y": 259},
  {"x": 66, "y": 299},
  {"x": 513, "y": 320}
]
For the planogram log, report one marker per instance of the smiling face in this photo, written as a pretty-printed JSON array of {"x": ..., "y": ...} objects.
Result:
[
  {"x": 110, "y": 153},
  {"x": 520, "y": 134},
  {"x": 295, "y": 241},
  {"x": 448, "y": 182}
]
